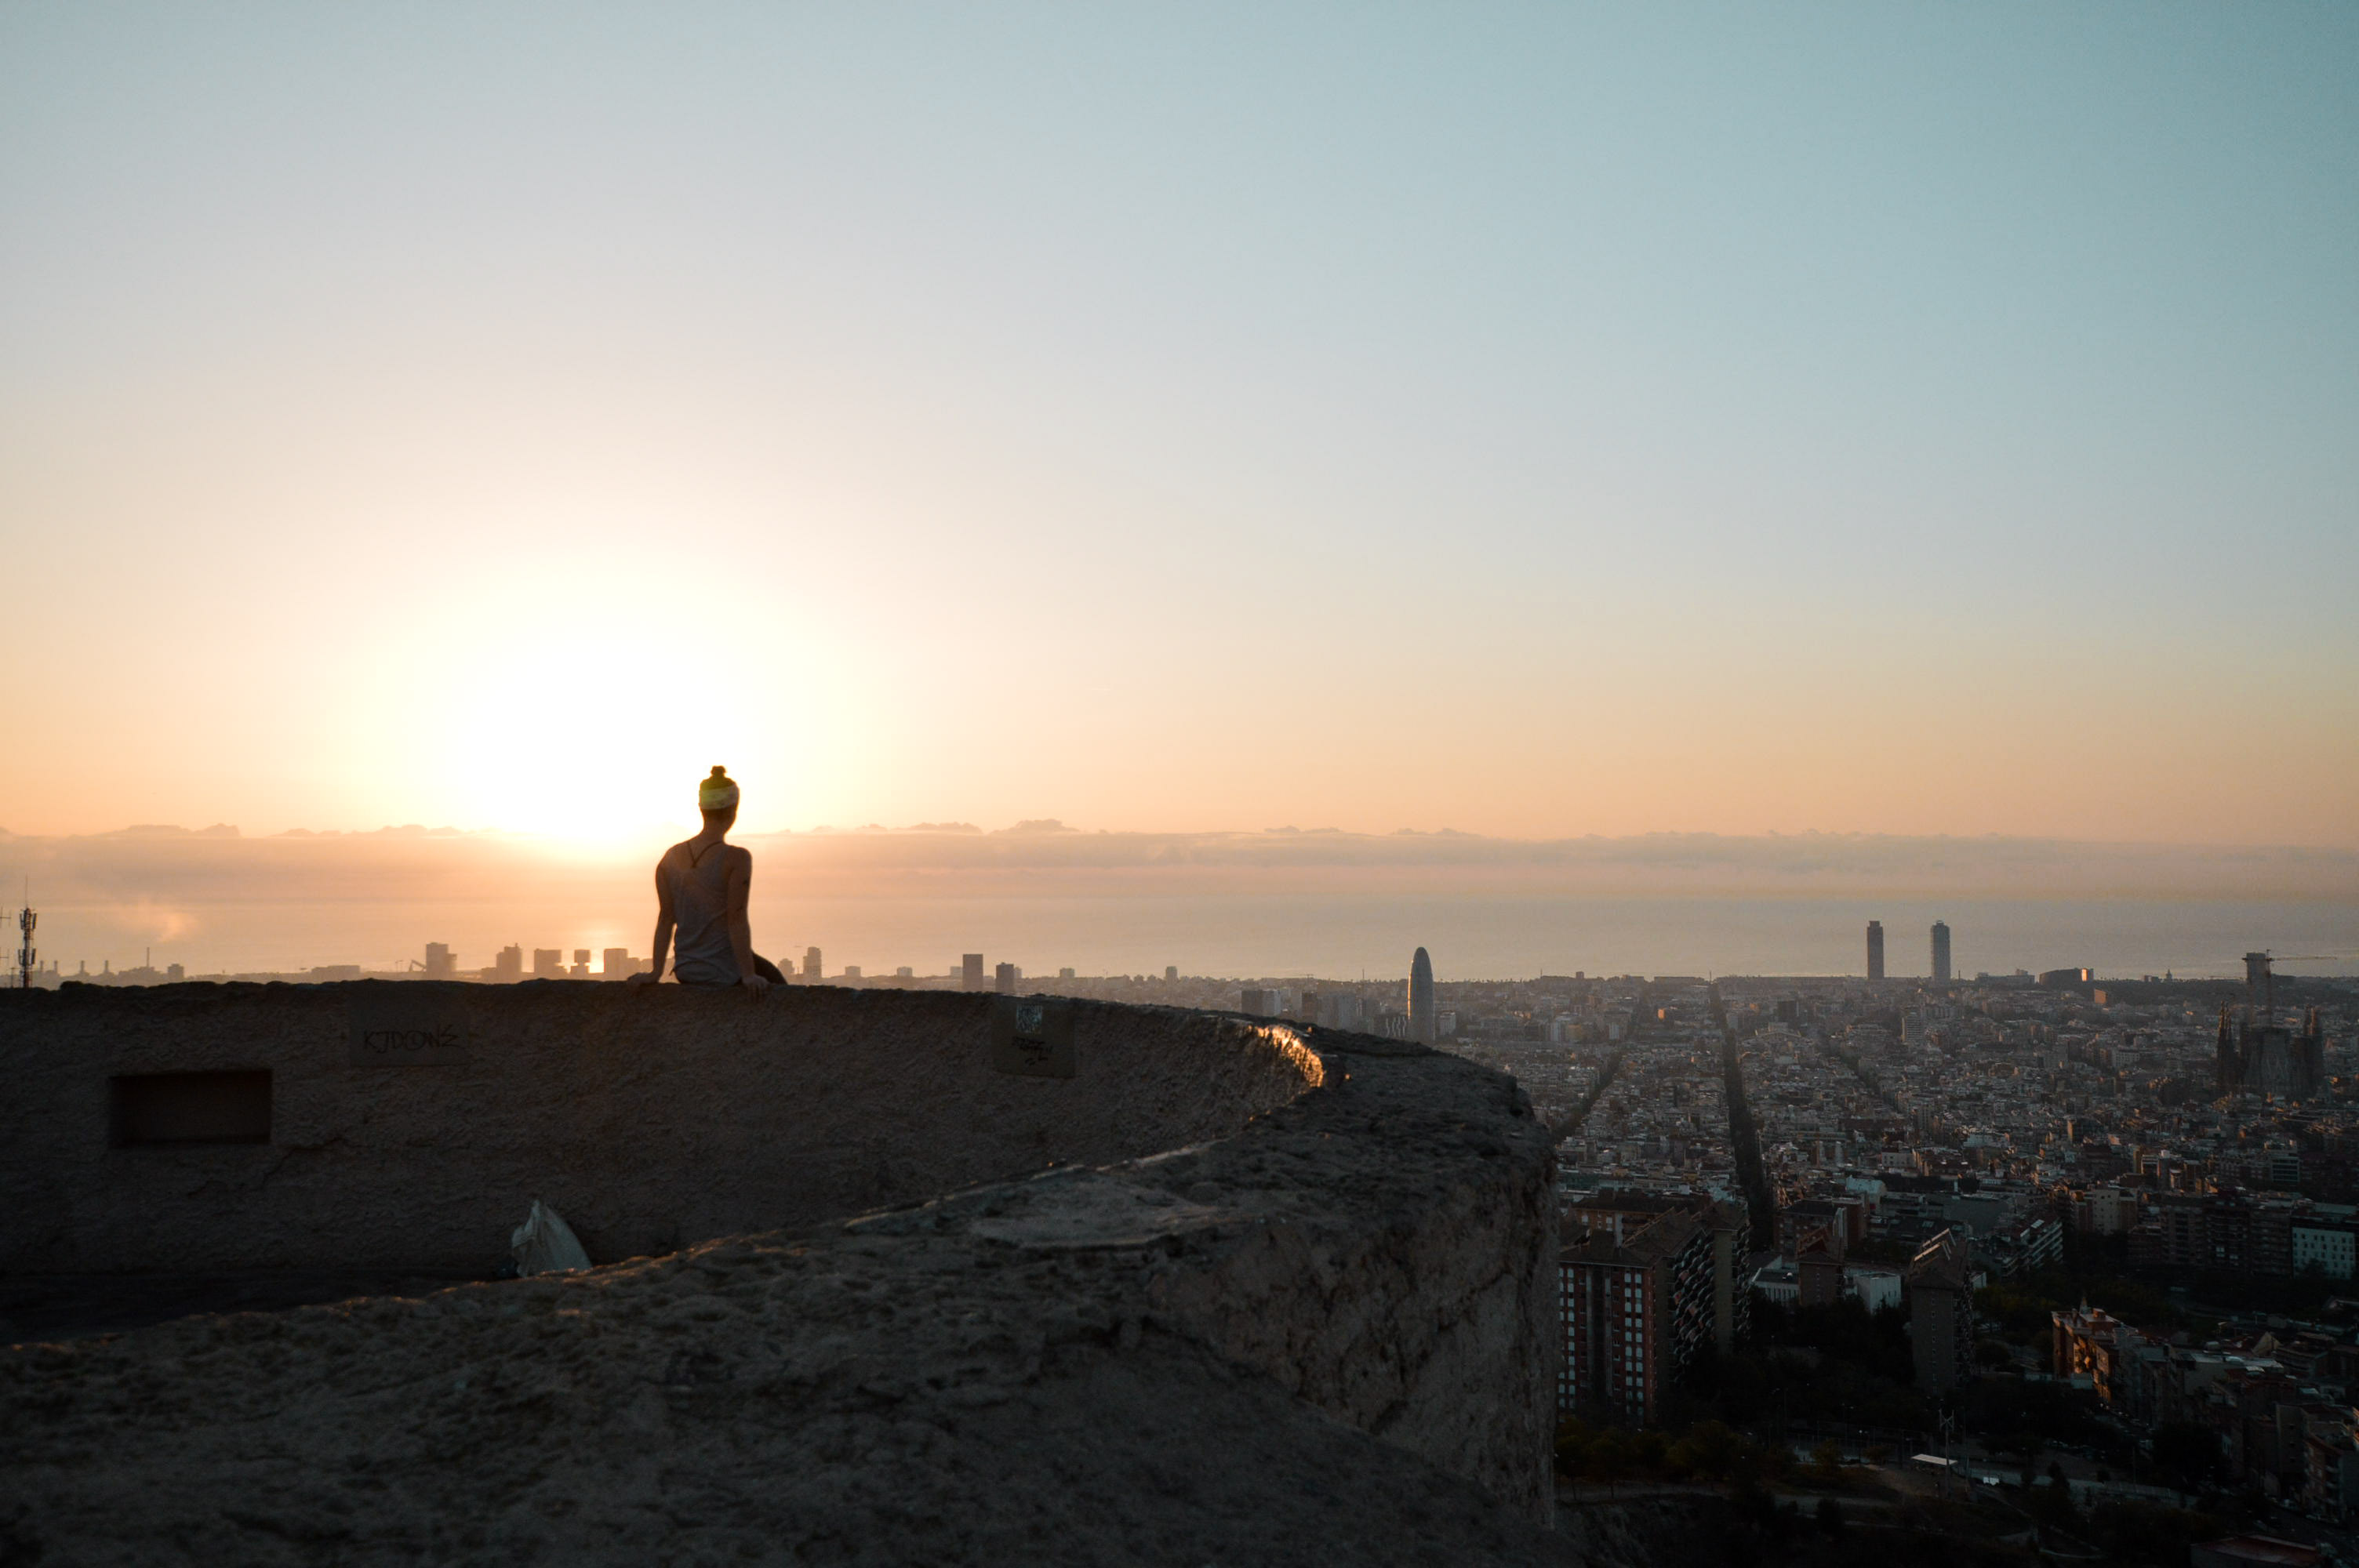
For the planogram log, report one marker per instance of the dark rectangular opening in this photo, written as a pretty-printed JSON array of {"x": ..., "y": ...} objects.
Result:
[{"x": 166, "y": 1111}]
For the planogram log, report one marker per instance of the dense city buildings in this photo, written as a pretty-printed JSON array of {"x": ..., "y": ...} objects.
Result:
[{"x": 1732, "y": 1151}]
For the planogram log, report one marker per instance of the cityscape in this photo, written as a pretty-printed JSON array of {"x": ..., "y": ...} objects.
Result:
[
  {"x": 1935, "y": 1154},
  {"x": 1541, "y": 786}
]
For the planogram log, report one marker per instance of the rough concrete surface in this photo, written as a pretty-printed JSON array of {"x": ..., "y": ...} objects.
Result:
[
  {"x": 650, "y": 1118},
  {"x": 1325, "y": 1337}
]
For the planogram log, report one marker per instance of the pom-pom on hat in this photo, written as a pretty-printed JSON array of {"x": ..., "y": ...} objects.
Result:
[{"x": 718, "y": 792}]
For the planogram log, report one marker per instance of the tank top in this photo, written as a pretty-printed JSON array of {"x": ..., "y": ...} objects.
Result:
[{"x": 702, "y": 953}]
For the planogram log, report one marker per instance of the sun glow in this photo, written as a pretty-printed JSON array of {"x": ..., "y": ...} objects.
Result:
[{"x": 586, "y": 716}]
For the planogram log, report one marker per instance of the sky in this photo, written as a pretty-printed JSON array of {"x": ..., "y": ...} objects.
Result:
[{"x": 1536, "y": 421}]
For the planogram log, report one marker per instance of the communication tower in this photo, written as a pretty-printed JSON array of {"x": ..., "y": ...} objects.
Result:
[{"x": 26, "y": 956}]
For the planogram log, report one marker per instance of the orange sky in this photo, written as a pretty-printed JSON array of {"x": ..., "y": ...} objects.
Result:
[{"x": 1147, "y": 421}]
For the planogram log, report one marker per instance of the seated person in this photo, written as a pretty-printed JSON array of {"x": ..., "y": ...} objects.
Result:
[{"x": 700, "y": 888}]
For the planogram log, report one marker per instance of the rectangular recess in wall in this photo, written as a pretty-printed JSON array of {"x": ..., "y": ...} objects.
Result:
[{"x": 167, "y": 1110}]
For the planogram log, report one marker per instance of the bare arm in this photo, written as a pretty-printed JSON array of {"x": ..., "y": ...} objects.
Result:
[
  {"x": 664, "y": 921},
  {"x": 741, "y": 929}
]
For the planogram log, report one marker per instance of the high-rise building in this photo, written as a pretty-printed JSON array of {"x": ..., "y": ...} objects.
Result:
[
  {"x": 1420, "y": 998},
  {"x": 1338, "y": 1010},
  {"x": 971, "y": 972},
  {"x": 509, "y": 965},
  {"x": 580, "y": 969},
  {"x": 1941, "y": 1313},
  {"x": 1257, "y": 1001},
  {"x": 441, "y": 964},
  {"x": 1170, "y": 971},
  {"x": 615, "y": 963},
  {"x": 810, "y": 965},
  {"x": 1006, "y": 977},
  {"x": 1637, "y": 1301},
  {"x": 1875, "y": 949},
  {"x": 1941, "y": 954},
  {"x": 548, "y": 963}
]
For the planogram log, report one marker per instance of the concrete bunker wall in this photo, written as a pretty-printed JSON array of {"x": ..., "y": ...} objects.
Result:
[
  {"x": 208, "y": 1127},
  {"x": 1366, "y": 1224}
]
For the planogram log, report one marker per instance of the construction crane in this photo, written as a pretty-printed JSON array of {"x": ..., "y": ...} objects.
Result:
[{"x": 2259, "y": 978}]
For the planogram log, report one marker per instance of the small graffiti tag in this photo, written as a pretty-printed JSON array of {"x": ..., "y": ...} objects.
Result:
[
  {"x": 1032, "y": 1037},
  {"x": 410, "y": 1025},
  {"x": 442, "y": 1037}
]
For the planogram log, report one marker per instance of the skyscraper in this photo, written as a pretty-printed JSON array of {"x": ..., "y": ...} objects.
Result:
[
  {"x": 970, "y": 971},
  {"x": 810, "y": 965},
  {"x": 1941, "y": 954},
  {"x": 1420, "y": 998},
  {"x": 1875, "y": 949}
]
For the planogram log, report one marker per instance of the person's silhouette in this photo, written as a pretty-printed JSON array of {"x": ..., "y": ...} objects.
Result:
[{"x": 700, "y": 888}]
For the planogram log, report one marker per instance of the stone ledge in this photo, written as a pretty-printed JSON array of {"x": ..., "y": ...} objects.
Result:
[{"x": 1325, "y": 1334}]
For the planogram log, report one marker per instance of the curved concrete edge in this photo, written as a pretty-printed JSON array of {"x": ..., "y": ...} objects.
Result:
[
  {"x": 651, "y": 1118},
  {"x": 1381, "y": 1249}
]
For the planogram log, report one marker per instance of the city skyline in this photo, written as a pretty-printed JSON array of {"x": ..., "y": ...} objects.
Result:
[{"x": 1257, "y": 903}]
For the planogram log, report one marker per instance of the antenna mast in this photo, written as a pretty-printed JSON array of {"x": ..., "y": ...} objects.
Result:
[{"x": 25, "y": 956}]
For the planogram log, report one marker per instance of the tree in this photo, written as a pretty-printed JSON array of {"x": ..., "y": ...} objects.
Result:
[
  {"x": 1573, "y": 1437},
  {"x": 1609, "y": 1457},
  {"x": 2187, "y": 1455},
  {"x": 1709, "y": 1449}
]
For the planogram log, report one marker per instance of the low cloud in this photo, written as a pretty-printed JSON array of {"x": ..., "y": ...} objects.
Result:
[{"x": 182, "y": 871}]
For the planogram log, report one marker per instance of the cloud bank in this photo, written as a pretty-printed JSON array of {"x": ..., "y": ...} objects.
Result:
[{"x": 180, "y": 866}]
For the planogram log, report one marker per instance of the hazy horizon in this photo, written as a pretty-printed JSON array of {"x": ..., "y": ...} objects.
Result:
[{"x": 1248, "y": 903}]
